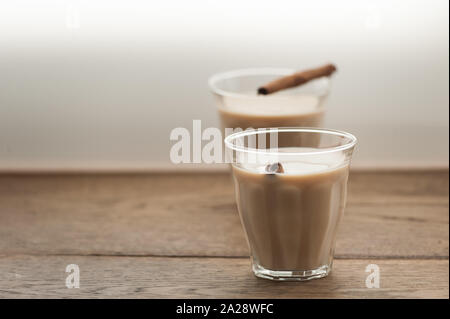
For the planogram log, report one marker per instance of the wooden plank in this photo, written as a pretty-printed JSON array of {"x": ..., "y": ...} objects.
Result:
[
  {"x": 389, "y": 214},
  {"x": 161, "y": 277},
  {"x": 390, "y": 187}
]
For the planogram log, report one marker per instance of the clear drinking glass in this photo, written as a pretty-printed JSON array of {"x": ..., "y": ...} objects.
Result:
[
  {"x": 240, "y": 106},
  {"x": 291, "y": 198}
]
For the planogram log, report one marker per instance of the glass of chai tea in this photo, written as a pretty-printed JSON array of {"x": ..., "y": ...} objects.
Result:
[
  {"x": 241, "y": 107},
  {"x": 290, "y": 198}
]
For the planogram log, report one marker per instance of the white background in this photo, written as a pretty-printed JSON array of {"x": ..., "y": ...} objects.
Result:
[{"x": 100, "y": 84}]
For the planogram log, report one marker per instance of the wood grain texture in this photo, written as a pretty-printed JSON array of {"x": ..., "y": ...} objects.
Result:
[
  {"x": 388, "y": 215},
  {"x": 162, "y": 277}
]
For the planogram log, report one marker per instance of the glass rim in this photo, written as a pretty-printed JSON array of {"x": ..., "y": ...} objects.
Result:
[
  {"x": 228, "y": 140},
  {"x": 212, "y": 81}
]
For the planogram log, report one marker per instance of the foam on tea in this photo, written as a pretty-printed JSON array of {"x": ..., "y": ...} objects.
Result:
[{"x": 301, "y": 110}]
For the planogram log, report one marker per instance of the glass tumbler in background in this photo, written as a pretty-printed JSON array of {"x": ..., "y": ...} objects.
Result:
[
  {"x": 240, "y": 106},
  {"x": 291, "y": 198}
]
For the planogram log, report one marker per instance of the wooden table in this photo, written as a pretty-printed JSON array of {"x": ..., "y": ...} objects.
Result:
[{"x": 179, "y": 236}]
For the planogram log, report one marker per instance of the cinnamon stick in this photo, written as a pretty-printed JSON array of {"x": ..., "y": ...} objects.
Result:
[{"x": 296, "y": 79}]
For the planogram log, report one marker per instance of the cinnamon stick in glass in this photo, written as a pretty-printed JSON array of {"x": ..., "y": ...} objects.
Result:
[{"x": 296, "y": 79}]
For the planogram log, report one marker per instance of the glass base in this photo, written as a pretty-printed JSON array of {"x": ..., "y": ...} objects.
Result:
[{"x": 294, "y": 275}]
